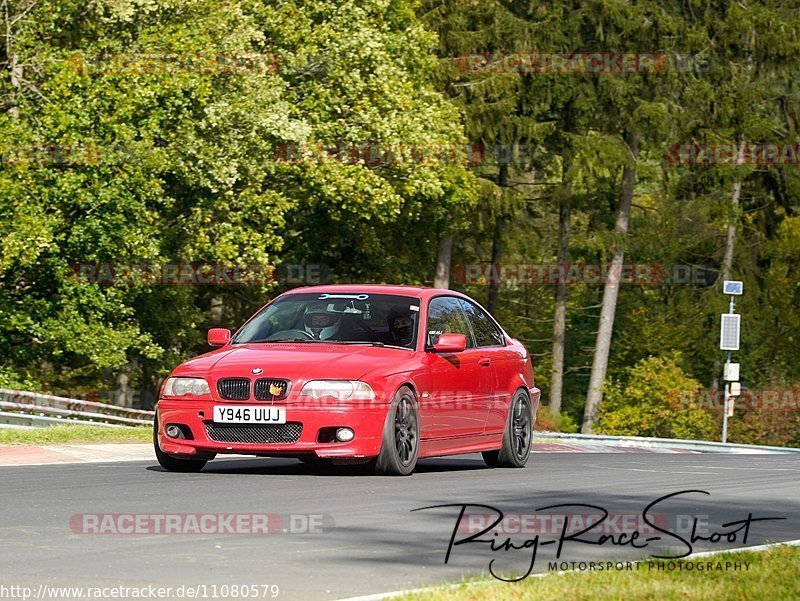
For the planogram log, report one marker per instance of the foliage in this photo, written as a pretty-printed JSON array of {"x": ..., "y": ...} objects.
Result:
[
  {"x": 562, "y": 422},
  {"x": 766, "y": 425},
  {"x": 651, "y": 402}
]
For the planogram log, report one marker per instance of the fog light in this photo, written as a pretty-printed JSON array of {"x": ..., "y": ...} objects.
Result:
[
  {"x": 174, "y": 431},
  {"x": 344, "y": 435}
]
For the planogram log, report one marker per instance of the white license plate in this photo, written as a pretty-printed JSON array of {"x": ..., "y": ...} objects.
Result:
[{"x": 249, "y": 414}]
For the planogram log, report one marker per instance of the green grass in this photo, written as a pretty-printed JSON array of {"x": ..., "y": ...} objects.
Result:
[
  {"x": 74, "y": 434},
  {"x": 772, "y": 574}
]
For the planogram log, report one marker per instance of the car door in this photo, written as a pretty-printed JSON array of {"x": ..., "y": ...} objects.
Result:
[
  {"x": 458, "y": 380},
  {"x": 496, "y": 360}
]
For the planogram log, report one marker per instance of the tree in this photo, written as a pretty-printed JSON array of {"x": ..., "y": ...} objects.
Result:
[
  {"x": 657, "y": 399},
  {"x": 159, "y": 139}
]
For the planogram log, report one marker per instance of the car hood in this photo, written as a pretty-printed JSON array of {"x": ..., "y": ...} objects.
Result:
[{"x": 296, "y": 361}]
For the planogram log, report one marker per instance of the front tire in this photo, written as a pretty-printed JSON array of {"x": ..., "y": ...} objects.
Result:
[
  {"x": 400, "y": 445},
  {"x": 517, "y": 436},
  {"x": 172, "y": 464}
]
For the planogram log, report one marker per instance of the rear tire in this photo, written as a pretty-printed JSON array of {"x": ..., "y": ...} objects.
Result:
[
  {"x": 400, "y": 445},
  {"x": 173, "y": 464},
  {"x": 517, "y": 436}
]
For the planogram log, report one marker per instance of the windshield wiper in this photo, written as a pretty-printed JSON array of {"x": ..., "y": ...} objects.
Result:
[
  {"x": 298, "y": 339},
  {"x": 350, "y": 342},
  {"x": 373, "y": 343}
]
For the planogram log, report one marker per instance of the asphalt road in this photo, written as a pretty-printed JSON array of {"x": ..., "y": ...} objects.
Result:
[{"x": 371, "y": 540}]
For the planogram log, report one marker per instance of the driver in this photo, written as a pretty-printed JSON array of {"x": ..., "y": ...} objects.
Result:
[
  {"x": 401, "y": 327},
  {"x": 320, "y": 323}
]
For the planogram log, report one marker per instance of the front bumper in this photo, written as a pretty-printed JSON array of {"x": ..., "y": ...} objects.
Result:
[{"x": 366, "y": 422}]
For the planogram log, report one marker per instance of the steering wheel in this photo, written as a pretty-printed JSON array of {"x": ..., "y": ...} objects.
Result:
[{"x": 290, "y": 334}]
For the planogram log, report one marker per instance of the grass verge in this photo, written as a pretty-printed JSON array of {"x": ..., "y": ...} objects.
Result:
[
  {"x": 74, "y": 434},
  {"x": 773, "y": 574}
]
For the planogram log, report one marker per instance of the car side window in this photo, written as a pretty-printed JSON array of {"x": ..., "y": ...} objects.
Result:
[
  {"x": 445, "y": 316},
  {"x": 485, "y": 330}
]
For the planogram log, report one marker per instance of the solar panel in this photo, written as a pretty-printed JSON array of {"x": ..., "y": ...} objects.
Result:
[{"x": 729, "y": 332}]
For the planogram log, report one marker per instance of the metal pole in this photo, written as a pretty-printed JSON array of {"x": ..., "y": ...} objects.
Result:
[
  {"x": 727, "y": 400},
  {"x": 727, "y": 396}
]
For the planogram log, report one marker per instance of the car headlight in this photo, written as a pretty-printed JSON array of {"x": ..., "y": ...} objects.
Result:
[
  {"x": 341, "y": 390},
  {"x": 186, "y": 387}
]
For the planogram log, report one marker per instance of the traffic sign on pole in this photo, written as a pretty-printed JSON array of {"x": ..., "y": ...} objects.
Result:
[{"x": 733, "y": 287}]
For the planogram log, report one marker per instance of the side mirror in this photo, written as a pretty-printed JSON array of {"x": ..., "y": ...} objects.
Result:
[
  {"x": 219, "y": 336},
  {"x": 450, "y": 343}
]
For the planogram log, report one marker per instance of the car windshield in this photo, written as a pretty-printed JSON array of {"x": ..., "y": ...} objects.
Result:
[{"x": 342, "y": 318}]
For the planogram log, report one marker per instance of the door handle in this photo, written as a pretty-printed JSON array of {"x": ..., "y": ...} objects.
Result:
[{"x": 484, "y": 361}]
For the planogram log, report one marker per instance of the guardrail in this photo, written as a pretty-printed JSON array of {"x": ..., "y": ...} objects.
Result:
[
  {"x": 700, "y": 446},
  {"x": 24, "y": 408}
]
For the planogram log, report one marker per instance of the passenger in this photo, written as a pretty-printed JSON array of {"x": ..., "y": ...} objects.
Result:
[{"x": 401, "y": 328}]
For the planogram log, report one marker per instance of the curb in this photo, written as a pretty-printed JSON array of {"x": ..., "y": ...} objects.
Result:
[
  {"x": 88, "y": 453},
  {"x": 12, "y": 455},
  {"x": 697, "y": 446}
]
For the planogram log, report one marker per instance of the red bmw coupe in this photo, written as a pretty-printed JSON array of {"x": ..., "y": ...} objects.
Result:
[{"x": 358, "y": 373}]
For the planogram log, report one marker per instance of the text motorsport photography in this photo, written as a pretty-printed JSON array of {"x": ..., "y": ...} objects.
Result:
[{"x": 656, "y": 535}]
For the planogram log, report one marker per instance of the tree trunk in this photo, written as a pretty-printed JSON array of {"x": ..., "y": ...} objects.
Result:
[
  {"x": 494, "y": 274},
  {"x": 443, "y": 260},
  {"x": 123, "y": 395},
  {"x": 730, "y": 246},
  {"x": 216, "y": 310},
  {"x": 611, "y": 291},
  {"x": 730, "y": 237},
  {"x": 148, "y": 393},
  {"x": 14, "y": 63},
  {"x": 16, "y": 75},
  {"x": 561, "y": 293},
  {"x": 560, "y": 317},
  {"x": 497, "y": 246}
]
